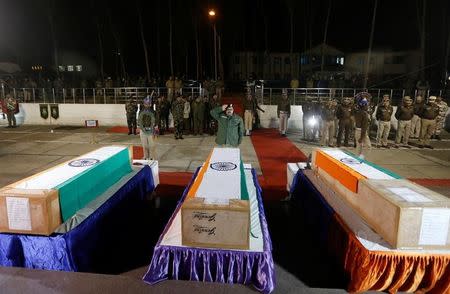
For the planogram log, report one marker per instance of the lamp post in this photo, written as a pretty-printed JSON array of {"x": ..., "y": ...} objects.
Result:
[{"x": 212, "y": 16}]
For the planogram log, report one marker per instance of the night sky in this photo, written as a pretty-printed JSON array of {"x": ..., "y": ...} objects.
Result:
[{"x": 25, "y": 34}]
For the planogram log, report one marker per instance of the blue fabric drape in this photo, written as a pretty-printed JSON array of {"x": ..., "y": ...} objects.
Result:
[
  {"x": 110, "y": 240},
  {"x": 317, "y": 213}
]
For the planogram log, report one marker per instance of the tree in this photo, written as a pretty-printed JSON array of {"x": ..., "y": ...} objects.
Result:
[
  {"x": 99, "y": 26},
  {"x": 290, "y": 5},
  {"x": 421, "y": 9},
  {"x": 50, "y": 8},
  {"x": 170, "y": 38},
  {"x": 144, "y": 43},
  {"x": 369, "y": 53},
  {"x": 325, "y": 39}
]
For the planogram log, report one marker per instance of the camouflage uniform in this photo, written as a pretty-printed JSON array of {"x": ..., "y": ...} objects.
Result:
[
  {"x": 177, "y": 112},
  {"x": 440, "y": 119},
  {"x": 11, "y": 105},
  {"x": 428, "y": 115},
  {"x": 198, "y": 114},
  {"x": 131, "y": 109}
]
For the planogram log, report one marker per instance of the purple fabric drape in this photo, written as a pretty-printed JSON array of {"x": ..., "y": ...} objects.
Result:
[{"x": 215, "y": 265}]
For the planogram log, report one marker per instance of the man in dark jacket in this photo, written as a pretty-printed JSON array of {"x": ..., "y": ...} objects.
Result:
[
  {"x": 328, "y": 115},
  {"x": 362, "y": 125},
  {"x": 428, "y": 115},
  {"x": 404, "y": 114},
  {"x": 231, "y": 126},
  {"x": 344, "y": 114},
  {"x": 383, "y": 115}
]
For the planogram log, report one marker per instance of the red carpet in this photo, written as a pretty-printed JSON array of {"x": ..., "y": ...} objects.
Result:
[
  {"x": 432, "y": 182},
  {"x": 172, "y": 184},
  {"x": 274, "y": 152}
]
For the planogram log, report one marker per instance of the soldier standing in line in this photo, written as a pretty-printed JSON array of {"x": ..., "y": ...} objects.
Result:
[
  {"x": 148, "y": 129},
  {"x": 177, "y": 112},
  {"x": 284, "y": 112},
  {"x": 383, "y": 115},
  {"x": 344, "y": 114},
  {"x": 440, "y": 119},
  {"x": 362, "y": 125},
  {"x": 415, "y": 122},
  {"x": 11, "y": 107},
  {"x": 248, "y": 114},
  {"x": 211, "y": 124},
  {"x": 428, "y": 115},
  {"x": 170, "y": 85},
  {"x": 165, "y": 112},
  {"x": 158, "y": 113},
  {"x": 328, "y": 115},
  {"x": 404, "y": 114},
  {"x": 307, "y": 109},
  {"x": 198, "y": 114},
  {"x": 187, "y": 115},
  {"x": 178, "y": 85},
  {"x": 131, "y": 109}
]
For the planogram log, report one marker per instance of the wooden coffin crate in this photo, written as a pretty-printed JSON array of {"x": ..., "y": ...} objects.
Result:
[
  {"x": 406, "y": 215},
  {"x": 29, "y": 211},
  {"x": 215, "y": 225}
]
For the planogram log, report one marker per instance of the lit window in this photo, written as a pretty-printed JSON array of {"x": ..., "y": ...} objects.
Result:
[
  {"x": 342, "y": 60},
  {"x": 70, "y": 68},
  {"x": 61, "y": 68},
  {"x": 79, "y": 68}
]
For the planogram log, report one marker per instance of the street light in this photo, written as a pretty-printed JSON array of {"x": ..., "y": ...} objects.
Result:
[{"x": 212, "y": 16}]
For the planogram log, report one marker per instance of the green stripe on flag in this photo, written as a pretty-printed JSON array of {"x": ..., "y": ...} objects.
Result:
[{"x": 244, "y": 190}]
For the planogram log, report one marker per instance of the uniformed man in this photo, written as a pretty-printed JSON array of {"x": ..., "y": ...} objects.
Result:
[
  {"x": 415, "y": 121},
  {"x": 170, "y": 85},
  {"x": 248, "y": 114},
  {"x": 148, "y": 129},
  {"x": 383, "y": 116},
  {"x": 440, "y": 119},
  {"x": 283, "y": 112},
  {"x": 131, "y": 109},
  {"x": 231, "y": 127},
  {"x": 404, "y": 114},
  {"x": 177, "y": 113},
  {"x": 428, "y": 115},
  {"x": 210, "y": 123},
  {"x": 307, "y": 109},
  {"x": 362, "y": 125},
  {"x": 328, "y": 115},
  {"x": 178, "y": 84},
  {"x": 165, "y": 112},
  {"x": 11, "y": 106},
  {"x": 344, "y": 114},
  {"x": 187, "y": 115},
  {"x": 198, "y": 114},
  {"x": 159, "y": 105}
]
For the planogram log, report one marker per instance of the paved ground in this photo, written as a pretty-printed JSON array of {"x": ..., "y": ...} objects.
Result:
[
  {"x": 30, "y": 149},
  {"x": 27, "y": 150}
]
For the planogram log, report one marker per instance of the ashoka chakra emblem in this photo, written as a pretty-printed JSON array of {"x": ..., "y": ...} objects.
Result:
[
  {"x": 223, "y": 166},
  {"x": 349, "y": 160},
  {"x": 83, "y": 162}
]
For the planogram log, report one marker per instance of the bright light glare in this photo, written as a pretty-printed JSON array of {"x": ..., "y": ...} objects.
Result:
[
  {"x": 212, "y": 13},
  {"x": 312, "y": 121}
]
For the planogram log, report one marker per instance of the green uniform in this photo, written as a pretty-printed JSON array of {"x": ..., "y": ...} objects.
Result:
[
  {"x": 146, "y": 121},
  {"x": 198, "y": 114},
  {"x": 131, "y": 109},
  {"x": 178, "y": 115},
  {"x": 231, "y": 128}
]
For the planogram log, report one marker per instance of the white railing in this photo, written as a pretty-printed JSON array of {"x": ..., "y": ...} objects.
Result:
[
  {"x": 271, "y": 96},
  {"x": 89, "y": 95}
]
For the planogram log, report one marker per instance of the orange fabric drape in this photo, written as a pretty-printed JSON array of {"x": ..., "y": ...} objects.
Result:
[
  {"x": 387, "y": 271},
  {"x": 199, "y": 178}
]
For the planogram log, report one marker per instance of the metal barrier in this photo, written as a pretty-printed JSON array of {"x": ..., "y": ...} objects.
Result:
[
  {"x": 271, "y": 96},
  {"x": 90, "y": 95}
]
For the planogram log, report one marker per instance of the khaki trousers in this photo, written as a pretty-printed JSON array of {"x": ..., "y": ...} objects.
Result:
[
  {"x": 383, "y": 132},
  {"x": 284, "y": 117},
  {"x": 248, "y": 119},
  {"x": 403, "y": 129},
  {"x": 415, "y": 126},
  {"x": 148, "y": 144},
  {"x": 427, "y": 130},
  {"x": 328, "y": 131},
  {"x": 365, "y": 142}
]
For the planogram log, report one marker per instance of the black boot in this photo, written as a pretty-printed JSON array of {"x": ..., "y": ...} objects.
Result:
[{"x": 134, "y": 131}]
